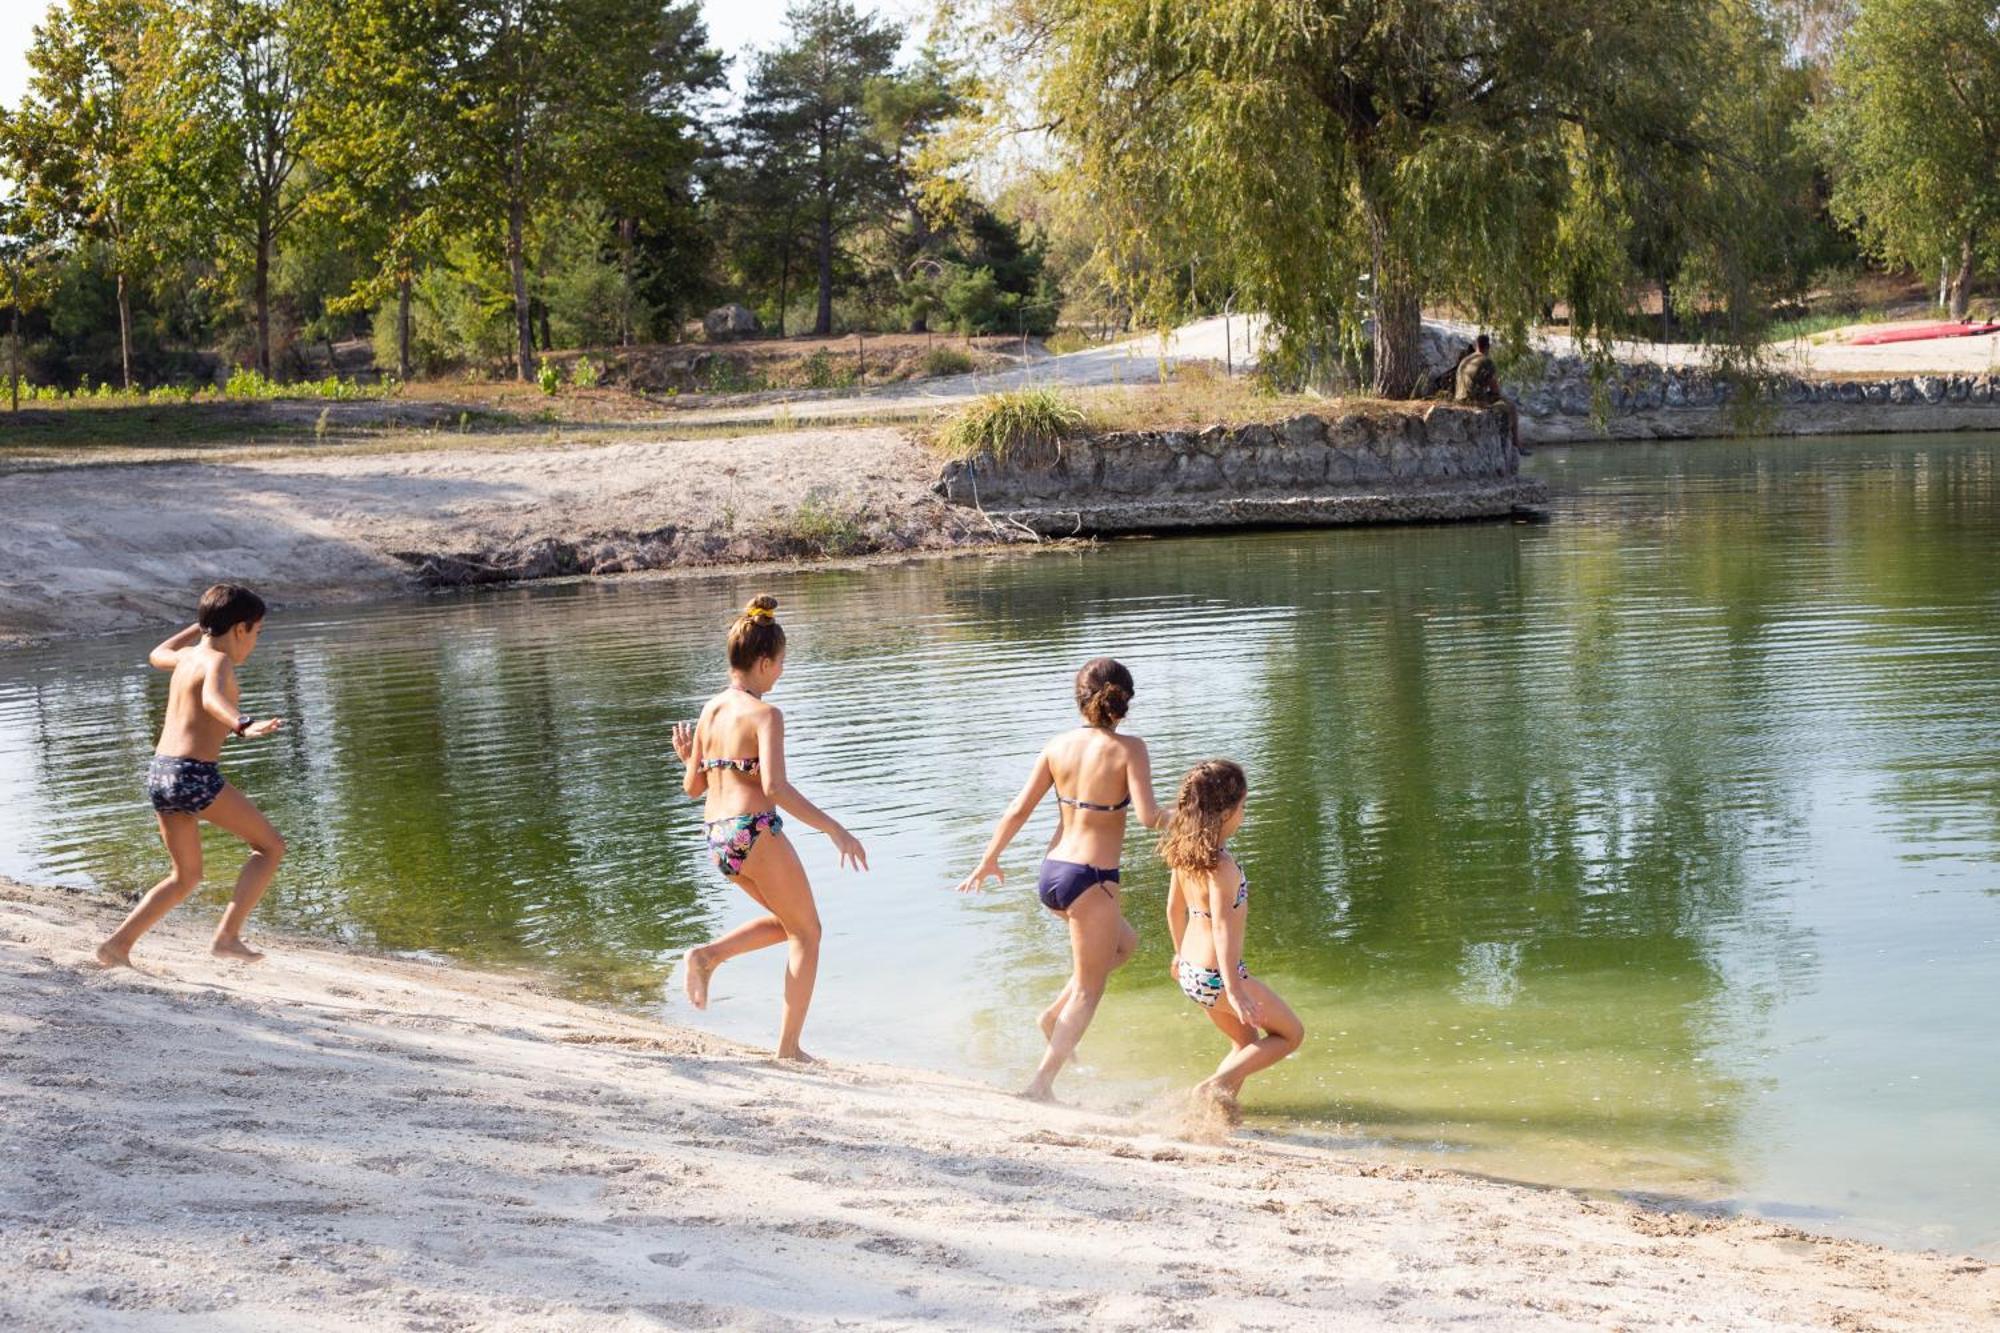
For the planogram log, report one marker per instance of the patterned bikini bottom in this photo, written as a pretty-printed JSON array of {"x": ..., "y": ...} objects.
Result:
[
  {"x": 731, "y": 838},
  {"x": 1203, "y": 985}
]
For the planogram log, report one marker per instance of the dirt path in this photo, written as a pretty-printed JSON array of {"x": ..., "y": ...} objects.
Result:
[{"x": 332, "y": 1141}]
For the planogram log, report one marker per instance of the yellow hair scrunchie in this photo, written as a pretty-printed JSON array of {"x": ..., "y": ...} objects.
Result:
[{"x": 758, "y": 613}]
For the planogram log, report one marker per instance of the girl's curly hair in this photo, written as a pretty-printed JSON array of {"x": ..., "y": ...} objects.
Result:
[{"x": 1212, "y": 788}]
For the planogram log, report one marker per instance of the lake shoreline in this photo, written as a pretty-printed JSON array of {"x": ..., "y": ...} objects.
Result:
[{"x": 350, "y": 1140}]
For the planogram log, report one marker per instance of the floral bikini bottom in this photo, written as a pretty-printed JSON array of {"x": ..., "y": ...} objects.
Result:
[{"x": 731, "y": 838}]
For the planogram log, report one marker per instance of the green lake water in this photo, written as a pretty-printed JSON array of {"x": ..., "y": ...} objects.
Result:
[{"x": 1653, "y": 849}]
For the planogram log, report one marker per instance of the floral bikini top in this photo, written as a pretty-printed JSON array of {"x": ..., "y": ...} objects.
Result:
[
  {"x": 1242, "y": 897},
  {"x": 733, "y": 765}
]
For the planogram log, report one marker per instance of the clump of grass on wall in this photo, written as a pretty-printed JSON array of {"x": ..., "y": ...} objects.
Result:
[{"x": 1002, "y": 422}]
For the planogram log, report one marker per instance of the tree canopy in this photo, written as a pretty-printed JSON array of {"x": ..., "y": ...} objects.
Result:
[
  {"x": 1911, "y": 134},
  {"x": 1345, "y": 164}
]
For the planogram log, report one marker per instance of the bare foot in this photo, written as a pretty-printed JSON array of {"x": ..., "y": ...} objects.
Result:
[
  {"x": 110, "y": 955},
  {"x": 1222, "y": 1099},
  {"x": 798, "y": 1056},
  {"x": 236, "y": 950},
  {"x": 1035, "y": 1092},
  {"x": 694, "y": 977}
]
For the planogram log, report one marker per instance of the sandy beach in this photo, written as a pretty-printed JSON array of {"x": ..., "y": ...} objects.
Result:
[
  {"x": 92, "y": 549},
  {"x": 335, "y": 1140}
]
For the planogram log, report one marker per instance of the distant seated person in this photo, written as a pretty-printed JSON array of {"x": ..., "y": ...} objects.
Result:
[{"x": 1479, "y": 383}]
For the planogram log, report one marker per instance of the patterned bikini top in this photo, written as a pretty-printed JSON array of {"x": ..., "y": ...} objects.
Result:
[
  {"x": 733, "y": 765},
  {"x": 1242, "y": 897}
]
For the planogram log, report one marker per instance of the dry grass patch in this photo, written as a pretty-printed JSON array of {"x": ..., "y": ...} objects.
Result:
[{"x": 1000, "y": 423}]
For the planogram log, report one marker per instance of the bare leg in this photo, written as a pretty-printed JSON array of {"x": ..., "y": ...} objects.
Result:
[
  {"x": 1281, "y": 1036},
  {"x": 233, "y": 813},
  {"x": 1047, "y": 1022},
  {"x": 781, "y": 885},
  {"x": 182, "y": 835},
  {"x": 701, "y": 962},
  {"x": 1100, "y": 940}
]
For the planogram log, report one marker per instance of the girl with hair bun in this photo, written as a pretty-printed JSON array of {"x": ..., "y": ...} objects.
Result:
[
  {"x": 1097, "y": 776},
  {"x": 1207, "y": 904},
  {"x": 735, "y": 757}
]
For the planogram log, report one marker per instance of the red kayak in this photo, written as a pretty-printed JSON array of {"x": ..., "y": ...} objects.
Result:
[{"x": 1917, "y": 333}]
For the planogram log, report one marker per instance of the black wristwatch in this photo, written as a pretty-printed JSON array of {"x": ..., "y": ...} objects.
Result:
[{"x": 242, "y": 723}]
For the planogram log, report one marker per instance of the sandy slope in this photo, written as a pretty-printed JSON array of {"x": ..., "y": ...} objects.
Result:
[
  {"x": 337, "y": 1141},
  {"x": 95, "y": 548}
]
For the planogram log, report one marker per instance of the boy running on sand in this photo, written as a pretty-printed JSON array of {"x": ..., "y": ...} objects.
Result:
[{"x": 185, "y": 781}]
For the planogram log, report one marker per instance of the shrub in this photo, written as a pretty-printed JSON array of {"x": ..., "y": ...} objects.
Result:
[
  {"x": 549, "y": 377},
  {"x": 584, "y": 373},
  {"x": 246, "y": 383},
  {"x": 947, "y": 361},
  {"x": 1067, "y": 340},
  {"x": 820, "y": 372},
  {"x": 999, "y": 422},
  {"x": 816, "y": 527}
]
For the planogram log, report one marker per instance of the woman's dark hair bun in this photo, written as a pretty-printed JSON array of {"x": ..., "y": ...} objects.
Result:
[{"x": 1103, "y": 692}]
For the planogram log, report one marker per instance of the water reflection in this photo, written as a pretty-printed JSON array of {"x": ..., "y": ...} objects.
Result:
[{"x": 1653, "y": 848}]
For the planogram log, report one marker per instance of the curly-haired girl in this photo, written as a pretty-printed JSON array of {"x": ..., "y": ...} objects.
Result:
[{"x": 1207, "y": 905}]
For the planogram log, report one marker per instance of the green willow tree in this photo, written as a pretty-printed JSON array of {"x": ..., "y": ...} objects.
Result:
[
  {"x": 807, "y": 105},
  {"x": 1911, "y": 135},
  {"x": 1344, "y": 164},
  {"x": 76, "y": 139}
]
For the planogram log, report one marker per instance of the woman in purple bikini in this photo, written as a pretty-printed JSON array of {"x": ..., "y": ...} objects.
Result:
[
  {"x": 735, "y": 757},
  {"x": 1098, "y": 775}
]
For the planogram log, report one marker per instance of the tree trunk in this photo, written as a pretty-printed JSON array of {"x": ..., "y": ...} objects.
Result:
[
  {"x": 1961, "y": 282},
  {"x": 14, "y": 340},
  {"x": 1666, "y": 310},
  {"x": 627, "y": 239},
  {"x": 517, "y": 268},
  {"x": 124, "y": 328},
  {"x": 784, "y": 283},
  {"x": 823, "y": 322},
  {"x": 1396, "y": 297},
  {"x": 403, "y": 327},
  {"x": 548, "y": 338},
  {"x": 263, "y": 297}
]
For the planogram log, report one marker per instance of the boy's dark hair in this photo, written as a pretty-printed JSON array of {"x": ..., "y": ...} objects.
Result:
[
  {"x": 225, "y": 606},
  {"x": 1483, "y": 343}
]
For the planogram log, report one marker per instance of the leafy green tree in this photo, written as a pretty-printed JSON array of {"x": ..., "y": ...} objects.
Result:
[
  {"x": 75, "y": 142},
  {"x": 543, "y": 93},
  {"x": 1343, "y": 164},
  {"x": 806, "y": 105},
  {"x": 230, "y": 165},
  {"x": 1912, "y": 133},
  {"x": 906, "y": 113}
]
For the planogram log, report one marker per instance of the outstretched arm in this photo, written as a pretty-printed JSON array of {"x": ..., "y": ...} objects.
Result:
[
  {"x": 771, "y": 768},
  {"x": 219, "y": 700},
  {"x": 1018, "y": 810},
  {"x": 1139, "y": 777},
  {"x": 168, "y": 655}
]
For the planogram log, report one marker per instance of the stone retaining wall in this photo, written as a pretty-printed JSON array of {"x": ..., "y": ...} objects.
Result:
[
  {"x": 1433, "y": 462},
  {"x": 1660, "y": 403}
]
